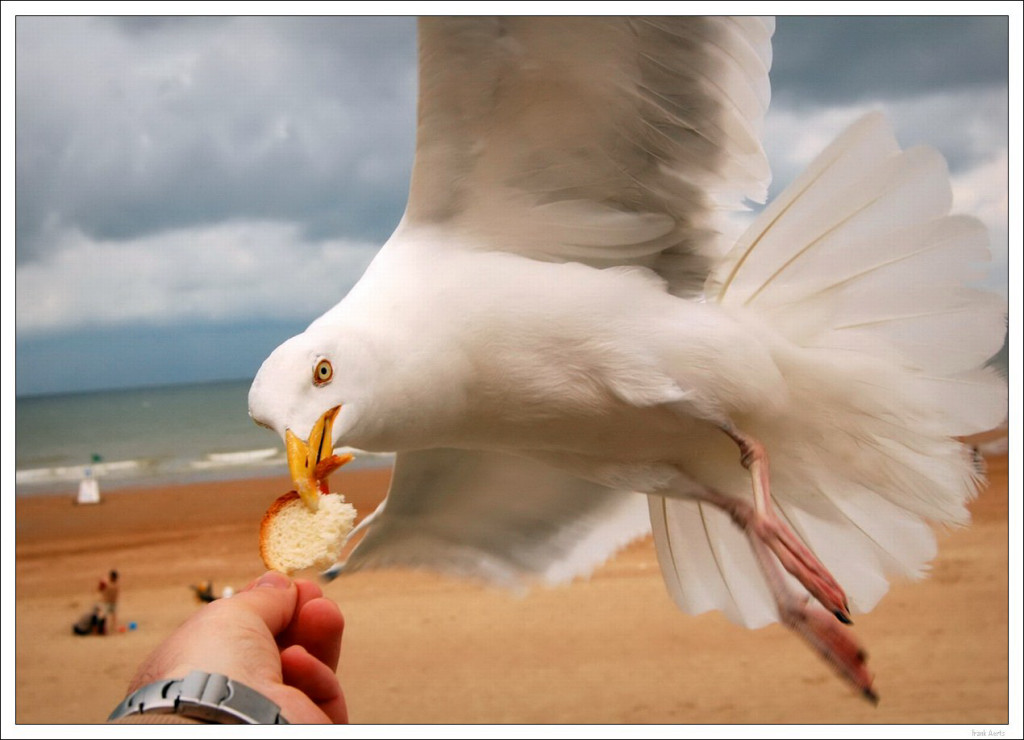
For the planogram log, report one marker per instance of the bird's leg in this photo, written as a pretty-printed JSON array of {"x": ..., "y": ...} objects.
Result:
[
  {"x": 764, "y": 526},
  {"x": 816, "y": 626},
  {"x": 825, "y": 635}
]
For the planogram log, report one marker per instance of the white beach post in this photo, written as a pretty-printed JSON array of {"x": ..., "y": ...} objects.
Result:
[{"x": 89, "y": 487}]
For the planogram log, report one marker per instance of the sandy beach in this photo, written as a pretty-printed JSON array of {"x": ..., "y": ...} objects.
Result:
[{"x": 424, "y": 649}]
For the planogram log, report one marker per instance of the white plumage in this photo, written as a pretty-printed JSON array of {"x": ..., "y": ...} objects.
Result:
[{"x": 554, "y": 329}]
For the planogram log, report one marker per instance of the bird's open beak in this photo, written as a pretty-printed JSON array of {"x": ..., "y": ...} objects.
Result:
[{"x": 312, "y": 461}]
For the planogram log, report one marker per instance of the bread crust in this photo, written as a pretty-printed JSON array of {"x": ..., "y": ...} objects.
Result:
[{"x": 267, "y": 522}]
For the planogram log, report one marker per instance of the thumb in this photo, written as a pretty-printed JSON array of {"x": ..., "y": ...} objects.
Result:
[{"x": 272, "y": 597}]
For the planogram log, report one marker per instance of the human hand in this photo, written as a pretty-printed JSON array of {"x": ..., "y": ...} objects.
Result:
[{"x": 279, "y": 637}]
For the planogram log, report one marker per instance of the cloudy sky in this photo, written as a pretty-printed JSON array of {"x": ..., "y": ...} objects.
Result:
[{"x": 192, "y": 191}]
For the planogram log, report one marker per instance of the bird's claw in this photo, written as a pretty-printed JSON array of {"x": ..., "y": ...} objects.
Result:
[
  {"x": 803, "y": 565},
  {"x": 836, "y": 645}
]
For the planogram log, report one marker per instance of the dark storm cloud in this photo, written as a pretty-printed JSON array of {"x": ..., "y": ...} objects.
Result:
[
  {"x": 942, "y": 80},
  {"x": 130, "y": 126},
  {"x": 820, "y": 60}
]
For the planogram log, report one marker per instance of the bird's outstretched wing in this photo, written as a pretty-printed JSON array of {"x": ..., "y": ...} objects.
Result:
[
  {"x": 600, "y": 140},
  {"x": 501, "y": 519}
]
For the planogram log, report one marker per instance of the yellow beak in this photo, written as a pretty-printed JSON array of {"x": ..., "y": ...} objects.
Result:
[{"x": 311, "y": 462}]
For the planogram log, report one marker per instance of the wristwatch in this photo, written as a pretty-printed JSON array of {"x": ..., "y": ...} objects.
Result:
[{"x": 211, "y": 697}]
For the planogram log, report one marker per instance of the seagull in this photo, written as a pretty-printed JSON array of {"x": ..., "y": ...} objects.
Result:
[{"x": 566, "y": 350}]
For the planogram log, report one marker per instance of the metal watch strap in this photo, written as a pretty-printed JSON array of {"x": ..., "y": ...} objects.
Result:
[{"x": 212, "y": 697}]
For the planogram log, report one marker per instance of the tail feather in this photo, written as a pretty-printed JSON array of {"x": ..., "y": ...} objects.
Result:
[
  {"x": 870, "y": 541},
  {"x": 707, "y": 563},
  {"x": 862, "y": 277},
  {"x": 909, "y": 188},
  {"x": 976, "y": 401}
]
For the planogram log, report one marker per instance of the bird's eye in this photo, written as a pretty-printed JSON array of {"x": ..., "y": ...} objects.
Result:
[{"x": 322, "y": 372}]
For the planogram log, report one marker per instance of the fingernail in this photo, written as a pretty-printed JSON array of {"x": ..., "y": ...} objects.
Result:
[{"x": 273, "y": 579}]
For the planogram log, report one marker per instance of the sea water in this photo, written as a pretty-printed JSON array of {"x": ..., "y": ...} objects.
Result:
[{"x": 144, "y": 436}]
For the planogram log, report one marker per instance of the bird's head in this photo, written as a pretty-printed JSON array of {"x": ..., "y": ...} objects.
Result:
[{"x": 299, "y": 392}]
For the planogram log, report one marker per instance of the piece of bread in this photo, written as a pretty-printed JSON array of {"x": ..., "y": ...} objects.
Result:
[{"x": 293, "y": 538}]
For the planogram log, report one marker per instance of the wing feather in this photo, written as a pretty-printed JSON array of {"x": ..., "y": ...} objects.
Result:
[
  {"x": 532, "y": 131},
  {"x": 502, "y": 519}
]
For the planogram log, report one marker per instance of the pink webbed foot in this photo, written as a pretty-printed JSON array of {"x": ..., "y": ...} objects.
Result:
[
  {"x": 834, "y": 643},
  {"x": 775, "y": 544},
  {"x": 800, "y": 562},
  {"x": 791, "y": 552},
  {"x": 831, "y": 639}
]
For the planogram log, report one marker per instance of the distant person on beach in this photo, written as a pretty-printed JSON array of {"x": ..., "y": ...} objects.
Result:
[
  {"x": 204, "y": 591},
  {"x": 90, "y": 623},
  {"x": 110, "y": 589},
  {"x": 278, "y": 637}
]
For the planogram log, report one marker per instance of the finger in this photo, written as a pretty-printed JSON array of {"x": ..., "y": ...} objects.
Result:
[
  {"x": 317, "y": 627},
  {"x": 304, "y": 672},
  {"x": 272, "y": 597},
  {"x": 308, "y": 590}
]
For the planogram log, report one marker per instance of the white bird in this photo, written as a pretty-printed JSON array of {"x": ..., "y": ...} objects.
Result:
[{"x": 565, "y": 356}]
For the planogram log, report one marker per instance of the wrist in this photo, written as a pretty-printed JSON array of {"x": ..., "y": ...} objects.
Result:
[{"x": 210, "y": 697}]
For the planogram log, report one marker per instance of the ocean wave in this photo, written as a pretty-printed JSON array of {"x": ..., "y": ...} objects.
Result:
[
  {"x": 268, "y": 455},
  {"x": 274, "y": 456},
  {"x": 208, "y": 465},
  {"x": 65, "y": 473},
  {"x": 139, "y": 470}
]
